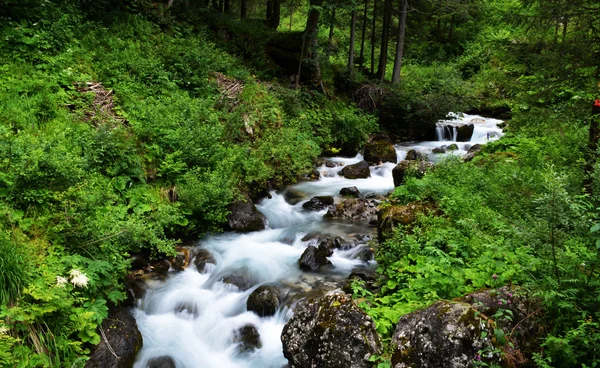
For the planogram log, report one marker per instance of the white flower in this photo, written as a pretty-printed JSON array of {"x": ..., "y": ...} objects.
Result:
[
  {"x": 61, "y": 281},
  {"x": 78, "y": 278},
  {"x": 3, "y": 330}
]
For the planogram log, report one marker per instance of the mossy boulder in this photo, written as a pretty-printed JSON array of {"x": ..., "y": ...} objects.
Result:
[
  {"x": 181, "y": 260},
  {"x": 410, "y": 168},
  {"x": 356, "y": 171},
  {"x": 350, "y": 192},
  {"x": 244, "y": 217},
  {"x": 389, "y": 217},
  {"x": 264, "y": 301},
  {"x": 447, "y": 334},
  {"x": 452, "y": 147},
  {"x": 473, "y": 151},
  {"x": 380, "y": 151},
  {"x": 414, "y": 155},
  {"x": 330, "y": 331}
]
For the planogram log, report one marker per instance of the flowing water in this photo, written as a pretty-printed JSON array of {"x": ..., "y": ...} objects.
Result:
[{"x": 193, "y": 316}]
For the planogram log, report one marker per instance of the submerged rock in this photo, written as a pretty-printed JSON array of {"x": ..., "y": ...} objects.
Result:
[
  {"x": 121, "y": 331},
  {"x": 164, "y": 361},
  {"x": 202, "y": 257},
  {"x": 357, "y": 171},
  {"x": 312, "y": 259},
  {"x": 241, "y": 278},
  {"x": 447, "y": 334},
  {"x": 350, "y": 192},
  {"x": 247, "y": 338},
  {"x": 330, "y": 331},
  {"x": 245, "y": 217},
  {"x": 354, "y": 209},
  {"x": 318, "y": 203},
  {"x": 264, "y": 301},
  {"x": 380, "y": 151},
  {"x": 413, "y": 168}
]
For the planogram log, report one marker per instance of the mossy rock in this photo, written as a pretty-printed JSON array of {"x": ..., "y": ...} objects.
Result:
[{"x": 380, "y": 151}]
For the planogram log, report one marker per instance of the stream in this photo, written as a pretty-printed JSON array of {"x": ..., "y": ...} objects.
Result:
[{"x": 193, "y": 316}]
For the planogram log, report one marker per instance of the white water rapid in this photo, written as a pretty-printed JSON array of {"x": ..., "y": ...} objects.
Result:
[{"x": 193, "y": 317}]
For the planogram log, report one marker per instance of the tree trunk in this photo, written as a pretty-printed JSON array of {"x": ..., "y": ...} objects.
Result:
[
  {"x": 269, "y": 11},
  {"x": 331, "y": 28},
  {"x": 352, "y": 37},
  {"x": 276, "y": 16},
  {"x": 243, "y": 9},
  {"x": 215, "y": 4},
  {"x": 592, "y": 148},
  {"x": 373, "y": 28},
  {"x": 400, "y": 42},
  {"x": 385, "y": 33},
  {"x": 220, "y": 6},
  {"x": 362, "y": 39},
  {"x": 310, "y": 34},
  {"x": 451, "y": 30},
  {"x": 226, "y": 6}
]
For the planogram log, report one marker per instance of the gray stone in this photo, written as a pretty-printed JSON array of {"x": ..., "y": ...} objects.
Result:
[
  {"x": 357, "y": 171},
  {"x": 318, "y": 203},
  {"x": 312, "y": 259},
  {"x": 264, "y": 301},
  {"x": 164, "y": 361},
  {"x": 244, "y": 217},
  {"x": 380, "y": 151}
]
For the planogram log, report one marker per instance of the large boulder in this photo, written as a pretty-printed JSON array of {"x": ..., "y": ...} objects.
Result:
[
  {"x": 473, "y": 151},
  {"x": 164, "y": 361},
  {"x": 121, "y": 336},
  {"x": 313, "y": 259},
  {"x": 318, "y": 203},
  {"x": 465, "y": 132},
  {"x": 388, "y": 218},
  {"x": 413, "y": 168},
  {"x": 380, "y": 151},
  {"x": 244, "y": 217},
  {"x": 447, "y": 334},
  {"x": 359, "y": 209},
  {"x": 264, "y": 301},
  {"x": 350, "y": 192},
  {"x": 330, "y": 331},
  {"x": 356, "y": 171}
]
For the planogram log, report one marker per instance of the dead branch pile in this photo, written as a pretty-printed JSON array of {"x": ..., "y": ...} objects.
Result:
[
  {"x": 368, "y": 96},
  {"x": 230, "y": 88},
  {"x": 102, "y": 109}
]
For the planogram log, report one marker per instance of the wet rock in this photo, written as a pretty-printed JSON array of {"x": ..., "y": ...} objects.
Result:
[
  {"x": 164, "y": 361},
  {"x": 247, "y": 338},
  {"x": 140, "y": 260},
  {"x": 413, "y": 168},
  {"x": 414, "y": 155},
  {"x": 354, "y": 209},
  {"x": 330, "y": 164},
  {"x": 293, "y": 196},
  {"x": 201, "y": 258},
  {"x": 160, "y": 267},
  {"x": 356, "y": 171},
  {"x": 439, "y": 150},
  {"x": 473, "y": 151},
  {"x": 241, "y": 278},
  {"x": 366, "y": 254},
  {"x": 446, "y": 334},
  {"x": 379, "y": 197},
  {"x": 330, "y": 331},
  {"x": 380, "y": 151},
  {"x": 465, "y": 132},
  {"x": 313, "y": 175},
  {"x": 350, "y": 192},
  {"x": 392, "y": 216},
  {"x": 245, "y": 217},
  {"x": 318, "y": 203},
  {"x": 136, "y": 287},
  {"x": 181, "y": 260},
  {"x": 125, "y": 340},
  {"x": 312, "y": 259},
  {"x": 366, "y": 275},
  {"x": 452, "y": 147},
  {"x": 264, "y": 301}
]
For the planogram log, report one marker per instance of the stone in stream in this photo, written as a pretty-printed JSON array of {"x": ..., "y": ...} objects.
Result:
[
  {"x": 164, "y": 361},
  {"x": 247, "y": 338},
  {"x": 244, "y": 217},
  {"x": 379, "y": 151},
  {"x": 293, "y": 196},
  {"x": 473, "y": 151},
  {"x": 357, "y": 171},
  {"x": 439, "y": 150},
  {"x": 264, "y": 301},
  {"x": 330, "y": 331},
  {"x": 202, "y": 257},
  {"x": 414, "y": 155},
  {"x": 312, "y": 259},
  {"x": 350, "y": 192},
  {"x": 181, "y": 259},
  {"x": 414, "y": 168},
  {"x": 465, "y": 132},
  {"x": 354, "y": 209},
  {"x": 452, "y": 147},
  {"x": 188, "y": 308},
  {"x": 318, "y": 203},
  {"x": 241, "y": 278},
  {"x": 121, "y": 331}
]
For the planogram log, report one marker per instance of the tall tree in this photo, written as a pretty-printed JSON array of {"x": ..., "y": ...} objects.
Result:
[
  {"x": 373, "y": 30},
  {"x": 385, "y": 33},
  {"x": 311, "y": 41},
  {"x": 352, "y": 37},
  {"x": 243, "y": 9},
  {"x": 276, "y": 16},
  {"x": 400, "y": 42},
  {"x": 364, "y": 31},
  {"x": 226, "y": 6},
  {"x": 331, "y": 28}
]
